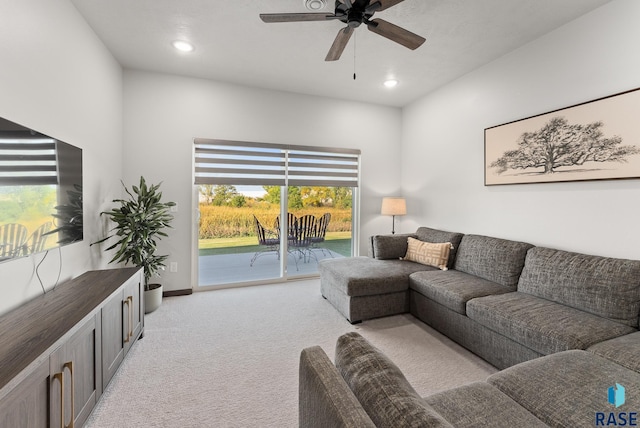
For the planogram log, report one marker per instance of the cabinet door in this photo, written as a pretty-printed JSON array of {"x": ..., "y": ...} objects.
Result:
[
  {"x": 76, "y": 376},
  {"x": 133, "y": 296},
  {"x": 27, "y": 405},
  {"x": 113, "y": 315}
]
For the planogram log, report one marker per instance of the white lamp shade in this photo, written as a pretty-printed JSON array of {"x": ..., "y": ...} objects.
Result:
[{"x": 394, "y": 206}]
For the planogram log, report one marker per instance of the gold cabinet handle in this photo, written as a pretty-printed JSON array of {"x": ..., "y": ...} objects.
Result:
[
  {"x": 69, "y": 366},
  {"x": 60, "y": 378},
  {"x": 126, "y": 302},
  {"x": 131, "y": 316}
]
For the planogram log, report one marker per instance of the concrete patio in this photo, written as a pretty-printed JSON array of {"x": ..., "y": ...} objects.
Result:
[{"x": 235, "y": 268}]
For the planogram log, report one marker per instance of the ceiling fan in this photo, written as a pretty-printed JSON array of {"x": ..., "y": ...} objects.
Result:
[{"x": 354, "y": 13}]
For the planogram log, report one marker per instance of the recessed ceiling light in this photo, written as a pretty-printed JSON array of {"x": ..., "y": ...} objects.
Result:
[
  {"x": 182, "y": 46},
  {"x": 390, "y": 83},
  {"x": 315, "y": 4}
]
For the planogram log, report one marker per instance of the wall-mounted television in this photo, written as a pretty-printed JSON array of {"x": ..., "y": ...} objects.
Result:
[{"x": 40, "y": 192}]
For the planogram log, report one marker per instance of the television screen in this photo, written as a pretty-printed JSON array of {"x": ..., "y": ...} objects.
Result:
[{"x": 40, "y": 192}]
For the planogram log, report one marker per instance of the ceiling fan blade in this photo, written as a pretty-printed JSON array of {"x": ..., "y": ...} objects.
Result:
[
  {"x": 397, "y": 34},
  {"x": 339, "y": 44},
  {"x": 386, "y": 4},
  {"x": 294, "y": 17}
]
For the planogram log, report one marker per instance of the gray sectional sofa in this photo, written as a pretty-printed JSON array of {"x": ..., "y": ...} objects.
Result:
[
  {"x": 506, "y": 301},
  {"x": 563, "y": 325}
]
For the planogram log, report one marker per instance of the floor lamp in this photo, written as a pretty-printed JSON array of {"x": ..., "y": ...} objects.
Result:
[{"x": 393, "y": 206}]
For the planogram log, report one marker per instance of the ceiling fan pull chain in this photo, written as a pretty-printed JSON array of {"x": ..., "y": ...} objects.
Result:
[{"x": 355, "y": 37}]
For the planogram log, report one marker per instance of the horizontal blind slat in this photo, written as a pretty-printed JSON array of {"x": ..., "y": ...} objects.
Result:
[
  {"x": 232, "y": 162},
  {"x": 237, "y": 172},
  {"x": 33, "y": 160}
]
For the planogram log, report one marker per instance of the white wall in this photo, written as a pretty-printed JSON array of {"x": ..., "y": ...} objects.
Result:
[
  {"x": 57, "y": 78},
  {"x": 165, "y": 113},
  {"x": 443, "y": 141}
]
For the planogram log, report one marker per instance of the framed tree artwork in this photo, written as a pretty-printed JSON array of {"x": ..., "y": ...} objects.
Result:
[{"x": 596, "y": 140}]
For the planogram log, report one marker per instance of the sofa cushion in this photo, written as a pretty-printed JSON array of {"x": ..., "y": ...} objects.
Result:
[
  {"x": 541, "y": 325},
  {"x": 389, "y": 247},
  {"x": 623, "y": 350},
  {"x": 380, "y": 386},
  {"x": 428, "y": 253},
  {"x": 453, "y": 289},
  {"x": 363, "y": 276},
  {"x": 495, "y": 259},
  {"x": 602, "y": 286},
  {"x": 438, "y": 236},
  {"x": 568, "y": 389},
  {"x": 481, "y": 405}
]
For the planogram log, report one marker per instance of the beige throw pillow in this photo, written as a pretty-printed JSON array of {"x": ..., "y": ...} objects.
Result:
[{"x": 428, "y": 253}]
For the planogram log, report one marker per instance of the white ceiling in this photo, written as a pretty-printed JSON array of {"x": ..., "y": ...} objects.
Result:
[{"x": 234, "y": 45}]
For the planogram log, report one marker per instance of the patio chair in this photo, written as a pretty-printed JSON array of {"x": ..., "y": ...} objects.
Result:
[
  {"x": 291, "y": 224},
  {"x": 12, "y": 238},
  {"x": 37, "y": 240},
  {"x": 305, "y": 230},
  {"x": 321, "y": 232},
  {"x": 267, "y": 239},
  {"x": 270, "y": 240}
]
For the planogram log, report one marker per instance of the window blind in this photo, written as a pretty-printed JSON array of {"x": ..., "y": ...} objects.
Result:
[
  {"x": 243, "y": 163},
  {"x": 27, "y": 161}
]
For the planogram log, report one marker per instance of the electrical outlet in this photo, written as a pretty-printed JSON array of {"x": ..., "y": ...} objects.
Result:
[{"x": 173, "y": 267}]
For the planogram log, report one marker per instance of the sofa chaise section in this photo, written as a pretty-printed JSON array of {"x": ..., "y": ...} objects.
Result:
[{"x": 362, "y": 288}]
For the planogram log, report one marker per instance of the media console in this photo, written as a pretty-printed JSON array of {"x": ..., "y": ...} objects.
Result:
[{"x": 60, "y": 350}]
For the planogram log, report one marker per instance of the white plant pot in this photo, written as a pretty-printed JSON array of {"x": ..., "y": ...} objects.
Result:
[{"x": 152, "y": 298}]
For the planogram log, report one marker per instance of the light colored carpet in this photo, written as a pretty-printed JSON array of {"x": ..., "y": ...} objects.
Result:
[{"x": 229, "y": 358}]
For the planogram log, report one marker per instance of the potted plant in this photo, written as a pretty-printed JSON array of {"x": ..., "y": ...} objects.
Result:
[{"x": 140, "y": 222}]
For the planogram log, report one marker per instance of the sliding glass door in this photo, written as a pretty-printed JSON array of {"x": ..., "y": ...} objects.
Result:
[{"x": 269, "y": 212}]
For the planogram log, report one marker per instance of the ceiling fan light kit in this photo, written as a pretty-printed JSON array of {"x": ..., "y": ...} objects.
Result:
[
  {"x": 315, "y": 4},
  {"x": 353, "y": 13}
]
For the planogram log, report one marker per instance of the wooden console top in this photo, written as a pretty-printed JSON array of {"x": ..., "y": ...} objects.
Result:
[{"x": 33, "y": 328}]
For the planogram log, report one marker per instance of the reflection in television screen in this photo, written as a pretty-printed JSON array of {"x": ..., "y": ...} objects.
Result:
[{"x": 40, "y": 192}]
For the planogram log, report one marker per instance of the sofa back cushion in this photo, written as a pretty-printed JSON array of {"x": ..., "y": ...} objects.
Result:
[
  {"x": 603, "y": 286},
  {"x": 380, "y": 386},
  {"x": 439, "y": 236},
  {"x": 389, "y": 247},
  {"x": 494, "y": 259}
]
